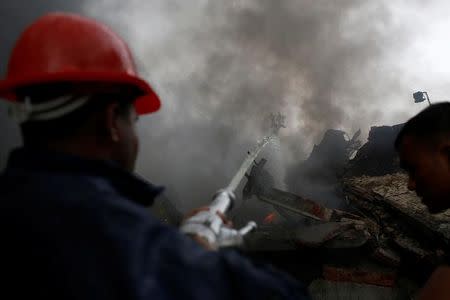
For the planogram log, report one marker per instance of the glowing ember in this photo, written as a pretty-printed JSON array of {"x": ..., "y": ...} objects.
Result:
[{"x": 270, "y": 218}]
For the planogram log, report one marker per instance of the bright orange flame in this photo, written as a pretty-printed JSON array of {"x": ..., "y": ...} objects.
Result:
[{"x": 270, "y": 218}]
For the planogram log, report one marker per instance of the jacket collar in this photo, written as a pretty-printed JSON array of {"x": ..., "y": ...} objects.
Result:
[{"x": 127, "y": 184}]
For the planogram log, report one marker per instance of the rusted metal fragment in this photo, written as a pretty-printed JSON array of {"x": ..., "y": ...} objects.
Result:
[
  {"x": 359, "y": 275},
  {"x": 296, "y": 204}
]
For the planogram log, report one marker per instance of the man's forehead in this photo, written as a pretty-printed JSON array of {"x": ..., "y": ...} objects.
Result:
[
  {"x": 416, "y": 141},
  {"x": 413, "y": 146}
]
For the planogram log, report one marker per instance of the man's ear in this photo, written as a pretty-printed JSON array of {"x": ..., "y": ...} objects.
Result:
[{"x": 112, "y": 122}]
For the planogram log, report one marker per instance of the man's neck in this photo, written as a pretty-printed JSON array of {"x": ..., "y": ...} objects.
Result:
[{"x": 88, "y": 148}]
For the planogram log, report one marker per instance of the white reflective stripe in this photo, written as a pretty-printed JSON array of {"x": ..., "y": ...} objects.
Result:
[
  {"x": 56, "y": 108},
  {"x": 48, "y": 105},
  {"x": 20, "y": 111},
  {"x": 58, "y": 112}
]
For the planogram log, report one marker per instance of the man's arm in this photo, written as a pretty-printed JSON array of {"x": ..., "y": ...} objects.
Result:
[{"x": 164, "y": 261}]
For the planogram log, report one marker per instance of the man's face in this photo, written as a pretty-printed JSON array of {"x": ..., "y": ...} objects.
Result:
[{"x": 428, "y": 167}]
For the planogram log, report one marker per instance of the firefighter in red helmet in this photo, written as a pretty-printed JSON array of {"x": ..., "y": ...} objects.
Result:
[
  {"x": 74, "y": 223},
  {"x": 65, "y": 64}
]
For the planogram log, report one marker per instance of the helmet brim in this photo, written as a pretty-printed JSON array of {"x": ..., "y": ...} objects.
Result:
[{"x": 147, "y": 103}]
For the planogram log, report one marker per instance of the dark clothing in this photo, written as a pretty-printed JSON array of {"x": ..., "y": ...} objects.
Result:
[{"x": 78, "y": 229}]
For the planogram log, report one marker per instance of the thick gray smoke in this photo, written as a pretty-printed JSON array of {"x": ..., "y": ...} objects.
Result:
[{"x": 221, "y": 67}]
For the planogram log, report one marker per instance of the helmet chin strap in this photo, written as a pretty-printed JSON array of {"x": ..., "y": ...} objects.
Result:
[{"x": 49, "y": 110}]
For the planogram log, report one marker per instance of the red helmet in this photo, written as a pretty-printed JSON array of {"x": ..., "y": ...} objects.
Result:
[{"x": 61, "y": 47}]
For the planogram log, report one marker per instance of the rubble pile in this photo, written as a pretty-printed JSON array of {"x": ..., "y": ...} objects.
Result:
[
  {"x": 384, "y": 241},
  {"x": 381, "y": 242},
  {"x": 345, "y": 245}
]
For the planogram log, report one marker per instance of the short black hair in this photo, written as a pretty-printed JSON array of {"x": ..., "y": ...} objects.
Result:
[
  {"x": 41, "y": 132},
  {"x": 431, "y": 123}
]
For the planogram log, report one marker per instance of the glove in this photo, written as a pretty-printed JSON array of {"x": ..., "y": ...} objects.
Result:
[{"x": 209, "y": 223}]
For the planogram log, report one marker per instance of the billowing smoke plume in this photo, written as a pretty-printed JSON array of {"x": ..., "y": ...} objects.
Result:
[{"x": 221, "y": 67}]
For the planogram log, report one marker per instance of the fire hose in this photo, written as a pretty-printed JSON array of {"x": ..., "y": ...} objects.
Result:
[{"x": 208, "y": 224}]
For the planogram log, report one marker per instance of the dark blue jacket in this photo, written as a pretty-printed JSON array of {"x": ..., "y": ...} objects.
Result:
[{"x": 78, "y": 229}]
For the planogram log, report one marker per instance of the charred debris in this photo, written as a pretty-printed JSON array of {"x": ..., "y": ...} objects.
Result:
[{"x": 346, "y": 221}]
